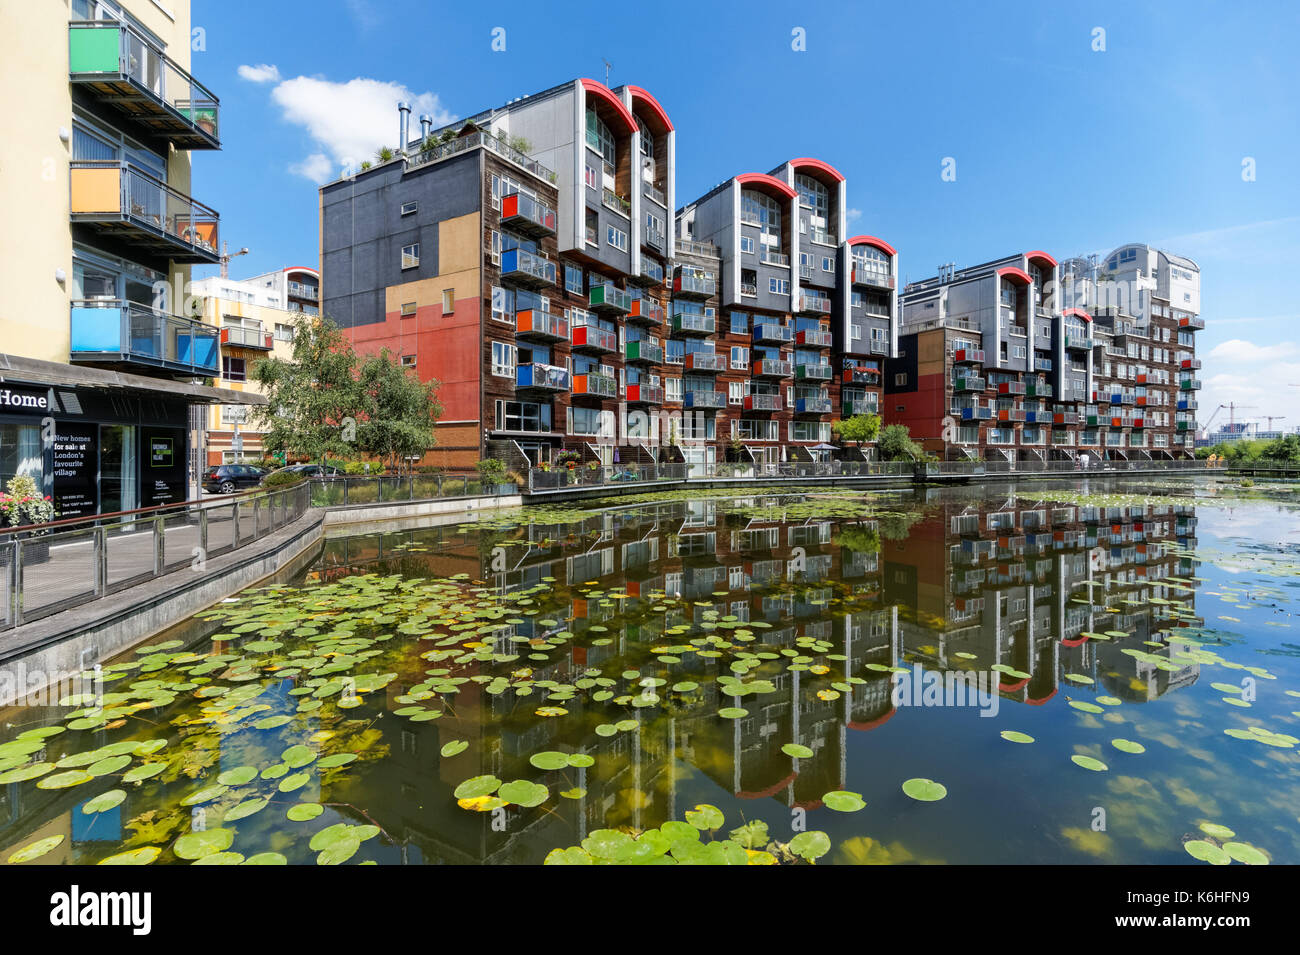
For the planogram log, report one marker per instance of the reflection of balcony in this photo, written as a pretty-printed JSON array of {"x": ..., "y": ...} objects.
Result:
[
  {"x": 772, "y": 332},
  {"x": 247, "y": 337},
  {"x": 646, "y": 312},
  {"x": 705, "y": 399},
  {"x": 813, "y": 339},
  {"x": 1079, "y": 342},
  {"x": 526, "y": 215},
  {"x": 694, "y": 283},
  {"x": 126, "y": 71},
  {"x": 763, "y": 403},
  {"x": 706, "y": 362},
  {"x": 772, "y": 368},
  {"x": 536, "y": 325},
  {"x": 645, "y": 394},
  {"x": 528, "y": 269},
  {"x": 541, "y": 378},
  {"x": 599, "y": 386},
  {"x": 645, "y": 352},
  {"x": 608, "y": 297},
  {"x": 113, "y": 331},
  {"x": 816, "y": 371},
  {"x": 968, "y": 356},
  {"x": 976, "y": 414},
  {"x": 590, "y": 338},
  {"x": 690, "y": 323},
  {"x": 119, "y": 200}
]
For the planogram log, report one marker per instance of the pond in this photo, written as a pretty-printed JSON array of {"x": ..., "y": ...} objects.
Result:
[{"x": 1102, "y": 672}]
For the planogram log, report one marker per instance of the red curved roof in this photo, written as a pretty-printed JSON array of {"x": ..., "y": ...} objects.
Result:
[
  {"x": 871, "y": 240},
  {"x": 1040, "y": 255},
  {"x": 643, "y": 96},
  {"x": 302, "y": 268},
  {"x": 1039, "y": 701},
  {"x": 1079, "y": 312},
  {"x": 771, "y": 182},
  {"x": 1074, "y": 641},
  {"x": 1019, "y": 275},
  {"x": 817, "y": 164},
  {"x": 872, "y": 724},
  {"x": 604, "y": 93}
]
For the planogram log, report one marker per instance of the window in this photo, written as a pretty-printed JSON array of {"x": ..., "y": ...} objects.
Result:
[
  {"x": 739, "y": 358},
  {"x": 765, "y": 212},
  {"x": 408, "y": 309},
  {"x": 448, "y": 301},
  {"x": 828, "y": 264},
  {"x": 593, "y": 228},
  {"x": 408, "y": 361},
  {"x": 504, "y": 356},
  {"x": 778, "y": 286},
  {"x": 672, "y": 389},
  {"x": 599, "y": 137},
  {"x": 410, "y": 208},
  {"x": 495, "y": 253},
  {"x": 856, "y": 332},
  {"x": 500, "y": 305},
  {"x": 573, "y": 279},
  {"x": 523, "y": 416},
  {"x": 813, "y": 195},
  {"x": 590, "y": 177},
  {"x": 900, "y": 380},
  {"x": 617, "y": 238},
  {"x": 736, "y": 392},
  {"x": 283, "y": 332},
  {"x": 411, "y": 256},
  {"x": 739, "y": 323},
  {"x": 747, "y": 244}
]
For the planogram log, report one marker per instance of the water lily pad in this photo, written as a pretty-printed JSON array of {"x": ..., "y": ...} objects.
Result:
[
  {"x": 238, "y": 776},
  {"x": 144, "y": 855},
  {"x": 477, "y": 786},
  {"x": 733, "y": 712},
  {"x": 1015, "y": 736},
  {"x": 925, "y": 790},
  {"x": 842, "y": 801},
  {"x": 196, "y": 845},
  {"x": 1245, "y": 853},
  {"x": 73, "y": 777},
  {"x": 304, "y": 811},
  {"x": 522, "y": 792},
  {"x": 797, "y": 751},
  {"x": 103, "y": 802},
  {"x": 36, "y": 849},
  {"x": 1215, "y": 831},
  {"x": 705, "y": 817},
  {"x": 244, "y": 809},
  {"x": 1089, "y": 762},
  {"x": 1206, "y": 852},
  {"x": 549, "y": 760},
  {"x": 810, "y": 845}
]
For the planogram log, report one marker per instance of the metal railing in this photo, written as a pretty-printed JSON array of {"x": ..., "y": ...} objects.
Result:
[
  {"x": 143, "y": 201},
  {"x": 114, "y": 329},
  {"x": 589, "y": 475},
  {"x": 53, "y": 567},
  {"x": 354, "y": 489},
  {"x": 488, "y": 141}
]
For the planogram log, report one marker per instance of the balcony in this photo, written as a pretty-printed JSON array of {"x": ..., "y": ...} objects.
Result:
[
  {"x": 596, "y": 386},
  {"x": 614, "y": 202},
  {"x": 642, "y": 394},
  {"x": 706, "y": 362},
  {"x": 1036, "y": 390},
  {"x": 779, "y": 259},
  {"x": 1188, "y": 404},
  {"x": 812, "y": 406},
  {"x": 113, "y": 331},
  {"x": 1011, "y": 388},
  {"x": 644, "y": 352},
  {"x": 526, "y": 215},
  {"x": 813, "y": 339},
  {"x": 647, "y": 312},
  {"x": 124, "y": 70},
  {"x": 694, "y": 283},
  {"x": 591, "y": 338},
  {"x": 1011, "y": 414},
  {"x": 808, "y": 304},
  {"x": 862, "y": 376},
  {"x": 879, "y": 278},
  {"x": 656, "y": 239},
  {"x": 131, "y": 206},
  {"x": 773, "y": 333},
  {"x": 772, "y": 368},
  {"x": 1190, "y": 364},
  {"x": 299, "y": 290},
  {"x": 1139, "y": 422},
  {"x": 242, "y": 336},
  {"x": 1079, "y": 343},
  {"x": 878, "y": 347},
  {"x": 857, "y": 406},
  {"x": 817, "y": 371},
  {"x": 609, "y": 299},
  {"x": 1094, "y": 420},
  {"x": 977, "y": 414},
  {"x": 763, "y": 403},
  {"x": 691, "y": 323},
  {"x": 968, "y": 356},
  {"x": 652, "y": 273},
  {"x": 969, "y": 384},
  {"x": 541, "y": 378},
  {"x": 705, "y": 399},
  {"x": 1185, "y": 425},
  {"x": 535, "y": 325},
  {"x": 1065, "y": 418},
  {"x": 527, "y": 269},
  {"x": 1190, "y": 384},
  {"x": 1042, "y": 364},
  {"x": 1192, "y": 323}
]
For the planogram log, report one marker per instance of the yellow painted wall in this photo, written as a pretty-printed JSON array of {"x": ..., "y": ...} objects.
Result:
[
  {"x": 214, "y": 312},
  {"x": 35, "y": 188}
]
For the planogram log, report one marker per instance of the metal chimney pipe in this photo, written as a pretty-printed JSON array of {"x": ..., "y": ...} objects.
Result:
[
  {"x": 404, "y": 114},
  {"x": 426, "y": 126}
]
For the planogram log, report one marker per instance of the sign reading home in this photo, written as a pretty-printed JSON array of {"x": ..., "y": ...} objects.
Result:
[{"x": 24, "y": 400}]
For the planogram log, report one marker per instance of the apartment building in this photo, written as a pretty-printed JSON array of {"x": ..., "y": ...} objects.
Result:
[
  {"x": 99, "y": 234},
  {"x": 254, "y": 319},
  {"x": 529, "y": 258}
]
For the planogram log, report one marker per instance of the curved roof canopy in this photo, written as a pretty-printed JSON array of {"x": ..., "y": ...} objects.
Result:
[
  {"x": 603, "y": 94},
  {"x": 1015, "y": 275},
  {"x": 766, "y": 183},
  {"x": 1040, "y": 257},
  {"x": 871, "y": 240},
  {"x": 817, "y": 165},
  {"x": 652, "y": 107}
]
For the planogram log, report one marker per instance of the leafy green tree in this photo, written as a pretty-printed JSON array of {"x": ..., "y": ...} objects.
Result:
[
  {"x": 896, "y": 442},
  {"x": 860, "y": 428},
  {"x": 397, "y": 411},
  {"x": 313, "y": 398}
]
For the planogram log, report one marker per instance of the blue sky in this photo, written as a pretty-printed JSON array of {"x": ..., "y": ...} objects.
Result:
[{"x": 1058, "y": 146}]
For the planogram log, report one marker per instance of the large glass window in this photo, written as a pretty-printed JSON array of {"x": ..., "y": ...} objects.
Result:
[
  {"x": 762, "y": 210},
  {"x": 599, "y": 137},
  {"x": 20, "y": 452}
]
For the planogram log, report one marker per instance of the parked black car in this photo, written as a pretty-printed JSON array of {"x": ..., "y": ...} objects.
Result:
[{"x": 229, "y": 478}]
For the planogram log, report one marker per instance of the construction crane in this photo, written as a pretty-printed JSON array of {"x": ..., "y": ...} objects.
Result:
[
  {"x": 1270, "y": 418},
  {"x": 1233, "y": 408}
]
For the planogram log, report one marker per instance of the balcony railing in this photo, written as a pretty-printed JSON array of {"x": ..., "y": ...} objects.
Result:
[
  {"x": 880, "y": 278},
  {"x": 601, "y": 386},
  {"x": 247, "y": 337},
  {"x": 968, "y": 356},
  {"x": 1079, "y": 342},
  {"x": 860, "y": 376},
  {"x": 525, "y": 214},
  {"x": 1042, "y": 364},
  {"x": 813, "y": 304},
  {"x": 593, "y": 338},
  {"x": 772, "y": 332},
  {"x": 857, "y": 406},
  {"x": 976, "y": 413},
  {"x": 707, "y": 362},
  {"x": 105, "y": 331},
  {"x": 774, "y": 258},
  {"x": 645, "y": 394},
  {"x": 461, "y": 144},
  {"x": 645, "y": 351},
  {"x": 970, "y": 383},
  {"x": 878, "y": 347},
  {"x": 812, "y": 406},
  {"x": 690, "y": 323},
  {"x": 705, "y": 399},
  {"x": 119, "y": 199},
  {"x": 813, "y": 371},
  {"x": 694, "y": 283},
  {"x": 1190, "y": 364},
  {"x": 1188, "y": 404},
  {"x": 763, "y": 403},
  {"x": 646, "y": 311},
  {"x": 612, "y": 200},
  {"x": 772, "y": 368},
  {"x": 134, "y": 76},
  {"x": 299, "y": 290},
  {"x": 539, "y": 377},
  {"x": 608, "y": 297},
  {"x": 813, "y": 339},
  {"x": 1190, "y": 384},
  {"x": 1035, "y": 389},
  {"x": 522, "y": 267},
  {"x": 1011, "y": 388},
  {"x": 533, "y": 323},
  {"x": 655, "y": 193},
  {"x": 1195, "y": 324}
]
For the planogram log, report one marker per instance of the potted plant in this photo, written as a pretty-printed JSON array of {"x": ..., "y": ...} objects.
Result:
[
  {"x": 492, "y": 475},
  {"x": 23, "y": 505}
]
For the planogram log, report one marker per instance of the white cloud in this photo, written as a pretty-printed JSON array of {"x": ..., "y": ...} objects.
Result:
[
  {"x": 316, "y": 167},
  {"x": 1256, "y": 378},
  {"x": 349, "y": 121},
  {"x": 1240, "y": 350},
  {"x": 262, "y": 73},
  {"x": 854, "y": 215}
]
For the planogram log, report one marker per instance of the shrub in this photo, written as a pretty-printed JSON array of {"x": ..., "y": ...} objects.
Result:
[
  {"x": 283, "y": 479},
  {"x": 491, "y": 471}
]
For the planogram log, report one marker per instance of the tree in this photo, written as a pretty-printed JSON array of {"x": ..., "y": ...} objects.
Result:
[
  {"x": 896, "y": 442},
  {"x": 860, "y": 428},
  {"x": 397, "y": 411},
  {"x": 312, "y": 398}
]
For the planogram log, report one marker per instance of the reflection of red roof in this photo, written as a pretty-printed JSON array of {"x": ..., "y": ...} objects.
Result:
[
  {"x": 1039, "y": 256},
  {"x": 1074, "y": 641},
  {"x": 764, "y": 180},
  {"x": 605, "y": 94},
  {"x": 1012, "y": 687},
  {"x": 770, "y": 790},
  {"x": 815, "y": 804},
  {"x": 872, "y": 724},
  {"x": 819, "y": 165},
  {"x": 871, "y": 240},
  {"x": 1078, "y": 312},
  {"x": 640, "y": 95},
  {"x": 1018, "y": 275},
  {"x": 1039, "y": 701}
]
